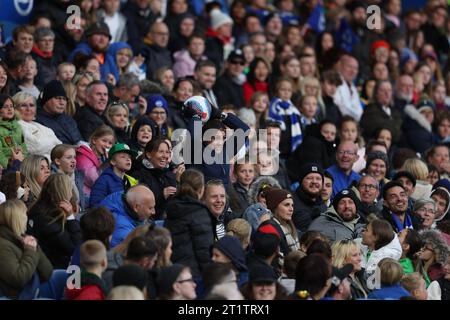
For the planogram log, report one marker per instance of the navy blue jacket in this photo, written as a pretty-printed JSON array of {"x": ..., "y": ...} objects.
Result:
[
  {"x": 107, "y": 183},
  {"x": 218, "y": 170},
  {"x": 64, "y": 127},
  {"x": 88, "y": 120}
]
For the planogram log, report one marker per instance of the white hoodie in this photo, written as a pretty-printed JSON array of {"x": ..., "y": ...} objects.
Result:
[{"x": 392, "y": 250}]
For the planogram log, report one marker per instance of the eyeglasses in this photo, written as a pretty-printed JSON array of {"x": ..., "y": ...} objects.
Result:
[
  {"x": 186, "y": 280},
  {"x": 368, "y": 186},
  {"x": 432, "y": 211},
  {"x": 426, "y": 249},
  {"x": 342, "y": 152}
]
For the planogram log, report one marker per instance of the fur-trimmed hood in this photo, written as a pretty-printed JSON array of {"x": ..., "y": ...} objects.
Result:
[
  {"x": 415, "y": 115},
  {"x": 448, "y": 204},
  {"x": 438, "y": 243},
  {"x": 256, "y": 185}
]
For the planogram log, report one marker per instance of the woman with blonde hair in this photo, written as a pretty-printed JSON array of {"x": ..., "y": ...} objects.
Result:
[
  {"x": 310, "y": 86},
  {"x": 349, "y": 252},
  {"x": 240, "y": 229},
  {"x": 391, "y": 272},
  {"x": 117, "y": 115},
  {"x": 36, "y": 170},
  {"x": 52, "y": 220},
  {"x": 22, "y": 261},
  {"x": 419, "y": 170},
  {"x": 38, "y": 138},
  {"x": 81, "y": 80},
  {"x": 71, "y": 92}
]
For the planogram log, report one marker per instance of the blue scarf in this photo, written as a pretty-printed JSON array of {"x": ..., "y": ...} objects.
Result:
[
  {"x": 406, "y": 225},
  {"x": 279, "y": 109}
]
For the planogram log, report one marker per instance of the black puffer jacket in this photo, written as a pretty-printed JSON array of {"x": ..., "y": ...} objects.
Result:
[
  {"x": 313, "y": 149},
  {"x": 190, "y": 224},
  {"x": 306, "y": 210},
  {"x": 156, "y": 180},
  {"x": 57, "y": 243}
]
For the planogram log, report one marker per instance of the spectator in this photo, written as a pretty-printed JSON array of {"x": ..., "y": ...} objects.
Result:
[
  {"x": 94, "y": 262},
  {"x": 369, "y": 191},
  {"x": 43, "y": 55},
  {"x": 425, "y": 210},
  {"x": 115, "y": 20},
  {"x": 129, "y": 209},
  {"x": 158, "y": 111},
  {"x": 187, "y": 58},
  {"x": 183, "y": 90},
  {"x": 312, "y": 277},
  {"x": 415, "y": 285},
  {"x": 12, "y": 142},
  {"x": 438, "y": 155},
  {"x": 281, "y": 204},
  {"x": 131, "y": 275},
  {"x": 117, "y": 115},
  {"x": 263, "y": 285},
  {"x": 176, "y": 283},
  {"x": 64, "y": 161},
  {"x": 220, "y": 278},
  {"x": 346, "y": 92},
  {"x": 240, "y": 229},
  {"x": 341, "y": 221},
  {"x": 190, "y": 224},
  {"x": 257, "y": 78},
  {"x": 186, "y": 27},
  {"x": 228, "y": 87},
  {"x": 342, "y": 172},
  {"x": 330, "y": 81},
  {"x": 432, "y": 256},
  {"x": 438, "y": 290},
  {"x": 205, "y": 73},
  {"x": 51, "y": 113},
  {"x": 90, "y": 157},
  {"x": 411, "y": 243},
  {"x": 113, "y": 178},
  {"x": 27, "y": 82},
  {"x": 244, "y": 174},
  {"x": 81, "y": 80},
  {"x": 36, "y": 170},
  {"x": 349, "y": 252},
  {"x": 395, "y": 207},
  {"x": 308, "y": 204},
  {"x": 381, "y": 241},
  {"x": 377, "y": 166},
  {"x": 228, "y": 249},
  {"x": 93, "y": 114},
  {"x": 381, "y": 112},
  {"x": 23, "y": 38},
  {"x": 391, "y": 273},
  {"x": 22, "y": 262},
  {"x": 98, "y": 38},
  {"x": 125, "y": 293},
  {"x": 418, "y": 171},
  {"x": 153, "y": 171},
  {"x": 156, "y": 53},
  {"x": 51, "y": 220},
  {"x": 219, "y": 37}
]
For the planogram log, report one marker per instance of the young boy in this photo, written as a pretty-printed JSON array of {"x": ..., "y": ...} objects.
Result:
[
  {"x": 93, "y": 263},
  {"x": 114, "y": 179},
  {"x": 66, "y": 71},
  {"x": 27, "y": 83}
]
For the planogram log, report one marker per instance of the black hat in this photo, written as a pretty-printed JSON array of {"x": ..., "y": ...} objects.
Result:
[
  {"x": 265, "y": 244},
  {"x": 425, "y": 104},
  {"x": 98, "y": 28},
  {"x": 374, "y": 155},
  {"x": 346, "y": 193},
  {"x": 262, "y": 273},
  {"x": 130, "y": 275},
  {"x": 51, "y": 90},
  {"x": 167, "y": 277},
  {"x": 405, "y": 174},
  {"x": 338, "y": 275},
  {"x": 232, "y": 248},
  {"x": 236, "y": 56},
  {"x": 309, "y": 168}
]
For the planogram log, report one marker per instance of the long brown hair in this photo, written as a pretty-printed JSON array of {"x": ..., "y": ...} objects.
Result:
[{"x": 191, "y": 182}]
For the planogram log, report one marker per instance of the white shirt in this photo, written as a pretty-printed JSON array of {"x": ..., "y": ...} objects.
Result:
[
  {"x": 40, "y": 139},
  {"x": 347, "y": 100},
  {"x": 113, "y": 24}
]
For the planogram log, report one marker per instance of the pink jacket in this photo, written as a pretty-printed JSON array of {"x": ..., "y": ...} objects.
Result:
[
  {"x": 88, "y": 162},
  {"x": 184, "y": 64}
]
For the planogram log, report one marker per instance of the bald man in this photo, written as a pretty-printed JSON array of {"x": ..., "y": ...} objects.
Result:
[
  {"x": 130, "y": 210},
  {"x": 342, "y": 172}
]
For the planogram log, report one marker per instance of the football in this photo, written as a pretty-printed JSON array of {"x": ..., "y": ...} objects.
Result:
[{"x": 199, "y": 107}]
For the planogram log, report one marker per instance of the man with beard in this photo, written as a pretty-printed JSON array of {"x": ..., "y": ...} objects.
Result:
[
  {"x": 341, "y": 221},
  {"x": 395, "y": 207},
  {"x": 308, "y": 203},
  {"x": 343, "y": 175},
  {"x": 98, "y": 38},
  {"x": 404, "y": 88},
  {"x": 368, "y": 193},
  {"x": 67, "y": 38},
  {"x": 91, "y": 116},
  {"x": 205, "y": 73}
]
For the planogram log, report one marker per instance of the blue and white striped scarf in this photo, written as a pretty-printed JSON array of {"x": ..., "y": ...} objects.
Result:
[{"x": 278, "y": 109}]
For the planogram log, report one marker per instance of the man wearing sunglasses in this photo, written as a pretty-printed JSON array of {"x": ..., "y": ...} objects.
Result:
[{"x": 228, "y": 87}]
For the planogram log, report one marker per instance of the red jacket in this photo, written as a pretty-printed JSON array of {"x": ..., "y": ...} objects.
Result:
[
  {"x": 92, "y": 288},
  {"x": 249, "y": 89}
]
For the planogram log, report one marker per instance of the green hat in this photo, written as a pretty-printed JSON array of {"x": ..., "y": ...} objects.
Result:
[{"x": 121, "y": 147}]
